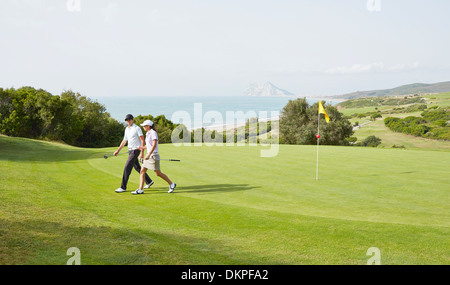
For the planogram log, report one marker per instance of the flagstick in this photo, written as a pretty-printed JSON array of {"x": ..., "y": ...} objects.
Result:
[{"x": 318, "y": 136}]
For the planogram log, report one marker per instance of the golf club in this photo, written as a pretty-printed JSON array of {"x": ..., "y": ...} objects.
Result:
[{"x": 106, "y": 157}]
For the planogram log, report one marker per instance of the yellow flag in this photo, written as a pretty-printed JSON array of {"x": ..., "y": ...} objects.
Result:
[{"x": 322, "y": 111}]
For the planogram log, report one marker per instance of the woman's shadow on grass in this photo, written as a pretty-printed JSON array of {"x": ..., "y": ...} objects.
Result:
[{"x": 205, "y": 189}]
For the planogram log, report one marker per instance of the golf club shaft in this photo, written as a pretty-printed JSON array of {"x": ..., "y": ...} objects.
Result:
[{"x": 106, "y": 156}]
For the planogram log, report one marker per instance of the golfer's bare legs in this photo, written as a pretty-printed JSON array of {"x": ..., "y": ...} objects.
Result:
[
  {"x": 142, "y": 178},
  {"x": 163, "y": 176}
]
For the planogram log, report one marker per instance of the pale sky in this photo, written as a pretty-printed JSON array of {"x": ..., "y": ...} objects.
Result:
[{"x": 218, "y": 47}]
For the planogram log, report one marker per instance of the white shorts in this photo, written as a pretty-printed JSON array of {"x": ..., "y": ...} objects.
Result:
[{"x": 152, "y": 163}]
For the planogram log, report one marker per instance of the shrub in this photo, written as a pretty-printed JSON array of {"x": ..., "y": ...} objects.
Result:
[
  {"x": 415, "y": 108},
  {"x": 441, "y": 133},
  {"x": 374, "y": 116},
  {"x": 362, "y": 115},
  {"x": 371, "y": 141},
  {"x": 351, "y": 140},
  {"x": 398, "y": 146},
  {"x": 436, "y": 114},
  {"x": 390, "y": 120},
  {"x": 440, "y": 123}
]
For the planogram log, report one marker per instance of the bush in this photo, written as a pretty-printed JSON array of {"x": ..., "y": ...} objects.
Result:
[
  {"x": 351, "y": 140},
  {"x": 398, "y": 146},
  {"x": 374, "y": 116},
  {"x": 442, "y": 133},
  {"x": 371, "y": 141},
  {"x": 415, "y": 108},
  {"x": 432, "y": 124},
  {"x": 390, "y": 120},
  {"x": 436, "y": 114},
  {"x": 440, "y": 123},
  {"x": 362, "y": 115},
  {"x": 410, "y": 125}
]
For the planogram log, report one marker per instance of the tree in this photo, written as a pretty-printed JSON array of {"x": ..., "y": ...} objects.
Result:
[
  {"x": 298, "y": 124},
  {"x": 163, "y": 126},
  {"x": 70, "y": 117},
  {"x": 294, "y": 122}
]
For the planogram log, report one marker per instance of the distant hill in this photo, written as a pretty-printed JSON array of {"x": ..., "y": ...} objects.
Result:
[
  {"x": 415, "y": 88},
  {"x": 266, "y": 89}
]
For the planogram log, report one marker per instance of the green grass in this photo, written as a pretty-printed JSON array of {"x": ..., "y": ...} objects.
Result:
[
  {"x": 441, "y": 100},
  {"x": 390, "y": 138},
  {"x": 230, "y": 207}
]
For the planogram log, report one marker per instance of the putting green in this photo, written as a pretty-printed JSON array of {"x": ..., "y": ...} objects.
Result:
[{"x": 231, "y": 206}]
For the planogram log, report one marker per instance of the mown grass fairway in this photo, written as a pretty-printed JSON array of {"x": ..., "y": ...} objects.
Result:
[{"x": 230, "y": 207}]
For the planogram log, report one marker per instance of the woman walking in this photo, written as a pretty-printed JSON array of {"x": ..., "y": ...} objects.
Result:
[{"x": 152, "y": 159}]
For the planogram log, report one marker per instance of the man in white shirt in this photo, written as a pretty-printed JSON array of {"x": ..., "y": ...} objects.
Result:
[{"x": 135, "y": 138}]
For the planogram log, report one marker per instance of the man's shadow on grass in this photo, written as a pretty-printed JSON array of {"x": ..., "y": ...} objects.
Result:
[{"x": 204, "y": 189}]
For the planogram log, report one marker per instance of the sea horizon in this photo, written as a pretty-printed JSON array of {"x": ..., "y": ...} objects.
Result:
[{"x": 170, "y": 106}]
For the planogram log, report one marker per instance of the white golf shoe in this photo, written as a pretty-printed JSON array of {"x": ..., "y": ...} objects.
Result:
[
  {"x": 148, "y": 185},
  {"x": 120, "y": 190},
  {"x": 172, "y": 187},
  {"x": 138, "y": 191}
]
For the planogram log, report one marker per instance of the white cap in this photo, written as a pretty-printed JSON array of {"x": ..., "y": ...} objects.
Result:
[{"x": 147, "y": 123}]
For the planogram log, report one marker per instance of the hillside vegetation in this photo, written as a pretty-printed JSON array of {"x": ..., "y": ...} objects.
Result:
[
  {"x": 416, "y": 88},
  {"x": 70, "y": 118},
  {"x": 402, "y": 121}
]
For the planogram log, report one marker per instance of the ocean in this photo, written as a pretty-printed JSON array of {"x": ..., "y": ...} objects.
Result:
[{"x": 213, "y": 106}]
